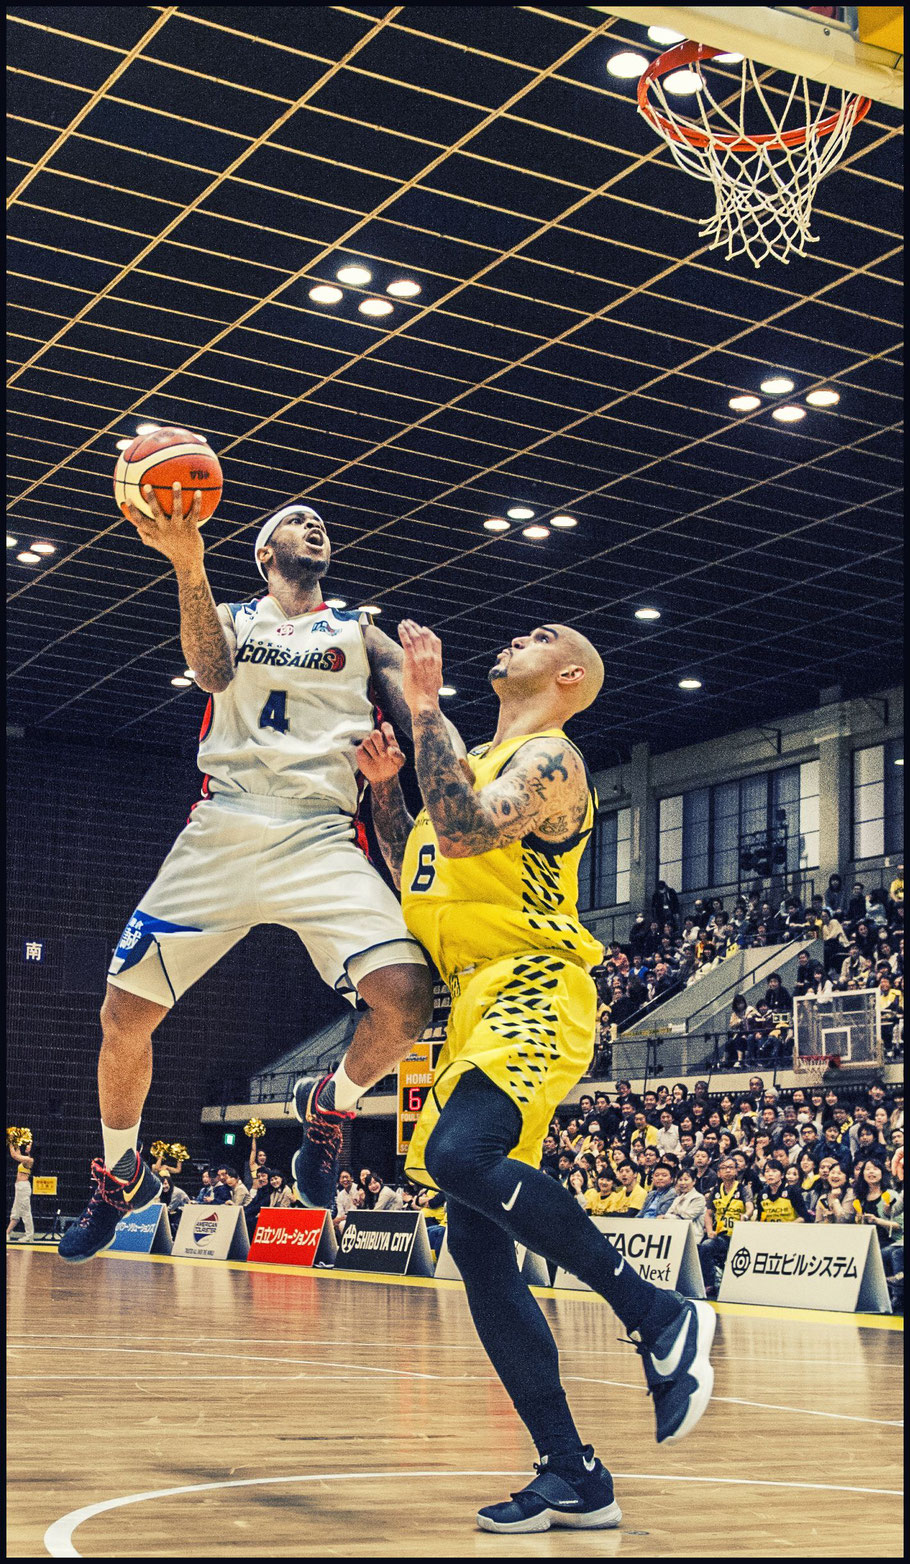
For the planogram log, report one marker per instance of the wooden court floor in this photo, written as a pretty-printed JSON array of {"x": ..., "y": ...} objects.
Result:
[{"x": 163, "y": 1409}]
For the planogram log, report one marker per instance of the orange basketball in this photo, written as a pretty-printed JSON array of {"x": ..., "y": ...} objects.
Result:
[{"x": 163, "y": 458}]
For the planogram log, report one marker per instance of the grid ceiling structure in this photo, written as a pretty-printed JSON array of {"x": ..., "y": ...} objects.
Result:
[{"x": 181, "y": 177}]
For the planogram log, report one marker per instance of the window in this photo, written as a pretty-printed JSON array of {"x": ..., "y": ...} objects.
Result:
[
  {"x": 603, "y": 876},
  {"x": 878, "y": 800},
  {"x": 700, "y": 831},
  {"x": 809, "y": 804},
  {"x": 670, "y": 840},
  {"x": 696, "y": 839}
]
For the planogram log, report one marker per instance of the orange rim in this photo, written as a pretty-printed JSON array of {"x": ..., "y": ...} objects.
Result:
[{"x": 689, "y": 53}]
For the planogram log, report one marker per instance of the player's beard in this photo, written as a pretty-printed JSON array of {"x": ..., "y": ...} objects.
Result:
[{"x": 304, "y": 568}]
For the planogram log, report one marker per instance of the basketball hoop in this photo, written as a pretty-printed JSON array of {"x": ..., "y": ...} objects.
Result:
[
  {"x": 765, "y": 182},
  {"x": 814, "y": 1067}
]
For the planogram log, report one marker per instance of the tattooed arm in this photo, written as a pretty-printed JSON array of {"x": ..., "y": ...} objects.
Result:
[
  {"x": 205, "y": 636},
  {"x": 543, "y": 790},
  {"x": 380, "y": 760}
]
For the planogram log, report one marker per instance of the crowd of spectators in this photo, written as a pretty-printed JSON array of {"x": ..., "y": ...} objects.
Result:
[
  {"x": 863, "y": 948},
  {"x": 803, "y": 1156}
]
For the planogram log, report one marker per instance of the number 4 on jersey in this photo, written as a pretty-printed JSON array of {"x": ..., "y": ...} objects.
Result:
[
  {"x": 426, "y": 868},
  {"x": 272, "y": 714}
]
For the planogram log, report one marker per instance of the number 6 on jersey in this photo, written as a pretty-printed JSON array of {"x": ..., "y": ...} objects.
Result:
[{"x": 426, "y": 868}]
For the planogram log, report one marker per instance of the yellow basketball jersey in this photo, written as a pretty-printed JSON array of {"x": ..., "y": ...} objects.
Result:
[{"x": 524, "y": 897}]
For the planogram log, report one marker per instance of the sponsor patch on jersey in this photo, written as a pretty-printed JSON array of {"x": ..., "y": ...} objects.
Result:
[
  {"x": 285, "y": 630},
  {"x": 323, "y": 624}
]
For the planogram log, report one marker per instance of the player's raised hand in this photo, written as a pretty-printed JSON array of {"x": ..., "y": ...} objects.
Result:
[
  {"x": 176, "y": 536},
  {"x": 379, "y": 758},
  {"x": 422, "y": 670}
]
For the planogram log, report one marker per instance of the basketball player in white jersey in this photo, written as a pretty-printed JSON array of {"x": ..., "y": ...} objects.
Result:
[{"x": 273, "y": 840}]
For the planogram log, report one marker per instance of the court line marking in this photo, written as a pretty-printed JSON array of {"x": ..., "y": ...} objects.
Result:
[
  {"x": 58, "y": 1539},
  {"x": 889, "y": 1322},
  {"x": 131, "y": 1377},
  {"x": 362, "y": 1369},
  {"x": 767, "y": 1406},
  {"x": 195, "y": 1335},
  {"x": 240, "y": 1357}
]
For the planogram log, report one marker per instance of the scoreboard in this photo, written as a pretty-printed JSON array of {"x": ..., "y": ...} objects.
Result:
[{"x": 415, "y": 1073}]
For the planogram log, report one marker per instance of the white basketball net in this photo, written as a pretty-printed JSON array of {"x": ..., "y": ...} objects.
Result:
[{"x": 763, "y": 187}]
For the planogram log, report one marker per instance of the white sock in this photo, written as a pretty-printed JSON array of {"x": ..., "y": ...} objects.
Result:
[
  {"x": 120, "y": 1147},
  {"x": 347, "y": 1092}
]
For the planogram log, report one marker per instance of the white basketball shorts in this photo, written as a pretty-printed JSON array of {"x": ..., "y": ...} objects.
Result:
[{"x": 244, "y": 861}]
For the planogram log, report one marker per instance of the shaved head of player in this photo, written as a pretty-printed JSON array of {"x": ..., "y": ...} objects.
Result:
[{"x": 553, "y": 667}]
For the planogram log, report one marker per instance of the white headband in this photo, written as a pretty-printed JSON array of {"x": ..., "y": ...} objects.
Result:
[{"x": 268, "y": 527}]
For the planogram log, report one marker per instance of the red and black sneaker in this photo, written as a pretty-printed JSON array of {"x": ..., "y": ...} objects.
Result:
[
  {"x": 315, "y": 1165},
  {"x": 111, "y": 1199}
]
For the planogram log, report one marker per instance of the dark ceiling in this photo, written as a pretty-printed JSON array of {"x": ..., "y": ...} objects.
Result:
[{"x": 182, "y": 177}]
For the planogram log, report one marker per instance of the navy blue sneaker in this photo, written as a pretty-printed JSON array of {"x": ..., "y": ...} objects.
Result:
[
  {"x": 678, "y": 1369},
  {"x": 111, "y": 1199},
  {"x": 574, "y": 1491},
  {"x": 314, "y": 1167}
]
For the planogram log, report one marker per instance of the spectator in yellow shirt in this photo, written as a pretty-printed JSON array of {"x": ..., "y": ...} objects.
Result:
[
  {"x": 632, "y": 1196},
  {"x": 602, "y": 1200},
  {"x": 643, "y": 1130}
]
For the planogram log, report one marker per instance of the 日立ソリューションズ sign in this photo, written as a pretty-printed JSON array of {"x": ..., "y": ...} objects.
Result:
[{"x": 290, "y": 1237}]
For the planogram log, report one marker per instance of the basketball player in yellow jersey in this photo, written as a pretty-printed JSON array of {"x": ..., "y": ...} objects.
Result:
[{"x": 489, "y": 880}]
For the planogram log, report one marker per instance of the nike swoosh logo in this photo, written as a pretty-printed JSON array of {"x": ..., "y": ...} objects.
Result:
[
  {"x": 668, "y": 1365},
  {"x": 508, "y": 1204},
  {"x": 619, "y": 1268}
]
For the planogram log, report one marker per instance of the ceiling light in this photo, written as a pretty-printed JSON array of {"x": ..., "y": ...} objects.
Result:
[
  {"x": 627, "y": 64},
  {"x": 357, "y": 276},
  {"x": 188, "y": 673},
  {"x": 535, "y": 533},
  {"x": 44, "y": 548},
  {"x": 563, "y": 521},
  {"x": 181, "y": 682},
  {"x": 680, "y": 82},
  {"x": 375, "y": 307},
  {"x": 899, "y": 761},
  {"x": 647, "y": 613},
  {"x": 369, "y": 608},
  {"x": 405, "y": 289},
  {"x": 823, "y": 398},
  {"x": 324, "y": 293},
  {"x": 777, "y": 385},
  {"x": 496, "y": 524},
  {"x": 690, "y": 684},
  {"x": 727, "y": 59},
  {"x": 447, "y": 689},
  {"x": 789, "y": 414},
  {"x": 123, "y": 444},
  {"x": 744, "y": 404},
  {"x": 28, "y": 558},
  {"x": 664, "y": 35},
  {"x": 147, "y": 428},
  {"x": 520, "y": 513},
  {"x": 336, "y": 602},
  {"x": 11, "y": 541}
]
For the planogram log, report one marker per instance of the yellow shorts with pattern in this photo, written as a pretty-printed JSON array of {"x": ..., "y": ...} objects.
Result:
[{"x": 528, "y": 1023}]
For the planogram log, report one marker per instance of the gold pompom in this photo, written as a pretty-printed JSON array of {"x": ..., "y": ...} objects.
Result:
[
  {"x": 254, "y": 1128},
  {"x": 179, "y": 1152},
  {"x": 13, "y": 1135},
  {"x": 160, "y": 1148}
]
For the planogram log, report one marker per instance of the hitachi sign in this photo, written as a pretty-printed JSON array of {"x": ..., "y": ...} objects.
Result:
[{"x": 642, "y": 1246}]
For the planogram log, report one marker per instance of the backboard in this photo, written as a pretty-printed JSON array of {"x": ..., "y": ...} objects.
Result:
[{"x": 792, "y": 38}]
